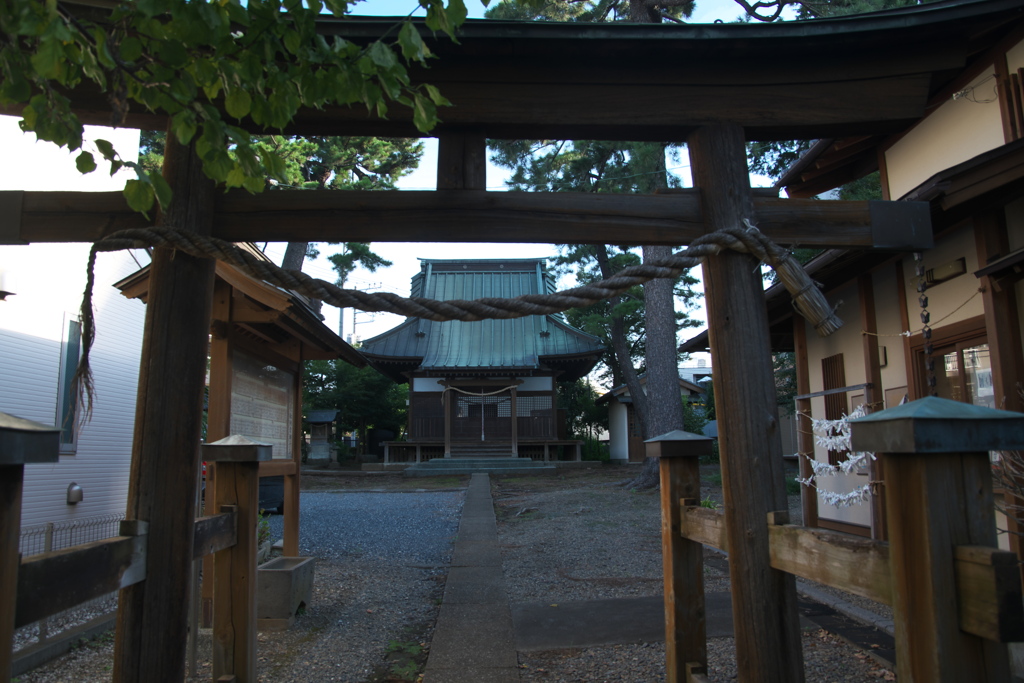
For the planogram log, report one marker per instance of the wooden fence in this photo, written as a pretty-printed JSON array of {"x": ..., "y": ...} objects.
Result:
[
  {"x": 51, "y": 582},
  {"x": 956, "y": 598}
]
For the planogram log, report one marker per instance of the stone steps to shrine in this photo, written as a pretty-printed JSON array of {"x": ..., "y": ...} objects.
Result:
[
  {"x": 438, "y": 467},
  {"x": 482, "y": 449}
]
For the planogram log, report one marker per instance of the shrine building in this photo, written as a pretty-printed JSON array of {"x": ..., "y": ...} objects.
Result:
[{"x": 468, "y": 379}]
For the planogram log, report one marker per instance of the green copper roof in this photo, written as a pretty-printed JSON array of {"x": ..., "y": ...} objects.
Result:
[{"x": 536, "y": 342}]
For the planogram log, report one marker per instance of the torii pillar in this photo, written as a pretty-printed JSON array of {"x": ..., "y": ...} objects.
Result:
[
  {"x": 765, "y": 618},
  {"x": 152, "y": 618}
]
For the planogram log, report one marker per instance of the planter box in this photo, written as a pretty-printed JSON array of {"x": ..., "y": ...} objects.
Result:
[{"x": 282, "y": 586}]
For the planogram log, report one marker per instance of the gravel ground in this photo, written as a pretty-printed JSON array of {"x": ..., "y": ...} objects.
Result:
[
  {"x": 584, "y": 538},
  {"x": 383, "y": 543},
  {"x": 380, "y": 573}
]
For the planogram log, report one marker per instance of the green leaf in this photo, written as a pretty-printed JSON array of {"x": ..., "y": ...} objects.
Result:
[
  {"x": 47, "y": 60},
  {"x": 160, "y": 186},
  {"x": 424, "y": 114},
  {"x": 173, "y": 53},
  {"x": 436, "y": 97},
  {"x": 292, "y": 42},
  {"x": 274, "y": 164},
  {"x": 457, "y": 12},
  {"x": 184, "y": 126},
  {"x": 236, "y": 177},
  {"x": 139, "y": 195},
  {"x": 382, "y": 55},
  {"x": 412, "y": 44},
  {"x": 131, "y": 49},
  {"x": 15, "y": 88},
  {"x": 29, "y": 117},
  {"x": 238, "y": 102},
  {"x": 85, "y": 163},
  {"x": 151, "y": 8},
  {"x": 106, "y": 149}
]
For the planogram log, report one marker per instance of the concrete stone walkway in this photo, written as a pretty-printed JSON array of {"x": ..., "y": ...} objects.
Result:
[
  {"x": 478, "y": 634},
  {"x": 474, "y": 640}
]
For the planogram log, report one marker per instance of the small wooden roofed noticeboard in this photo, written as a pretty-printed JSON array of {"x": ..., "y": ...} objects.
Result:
[{"x": 260, "y": 335}]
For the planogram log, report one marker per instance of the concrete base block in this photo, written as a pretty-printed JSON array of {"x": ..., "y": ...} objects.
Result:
[{"x": 283, "y": 585}]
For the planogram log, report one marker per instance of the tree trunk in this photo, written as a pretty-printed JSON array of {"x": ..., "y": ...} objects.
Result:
[
  {"x": 663, "y": 409},
  {"x": 294, "y": 255},
  {"x": 621, "y": 348}
]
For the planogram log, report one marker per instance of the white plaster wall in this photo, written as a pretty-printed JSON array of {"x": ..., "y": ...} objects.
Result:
[
  {"x": 536, "y": 384},
  {"x": 952, "y": 133},
  {"x": 618, "y": 429},
  {"x": 952, "y": 301},
  {"x": 847, "y": 341},
  {"x": 48, "y": 280},
  {"x": 426, "y": 384},
  {"x": 890, "y": 325}
]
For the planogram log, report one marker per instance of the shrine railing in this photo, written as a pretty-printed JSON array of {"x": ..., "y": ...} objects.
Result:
[{"x": 956, "y": 598}]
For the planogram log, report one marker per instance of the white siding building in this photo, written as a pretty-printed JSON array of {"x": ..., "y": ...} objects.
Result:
[{"x": 39, "y": 338}]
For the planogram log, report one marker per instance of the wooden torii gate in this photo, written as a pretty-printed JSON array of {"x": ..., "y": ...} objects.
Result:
[{"x": 854, "y": 76}]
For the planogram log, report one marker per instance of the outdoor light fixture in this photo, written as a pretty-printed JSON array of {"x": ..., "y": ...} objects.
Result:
[{"x": 75, "y": 494}]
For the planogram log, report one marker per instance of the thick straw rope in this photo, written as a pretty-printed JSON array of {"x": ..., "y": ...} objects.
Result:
[{"x": 807, "y": 297}]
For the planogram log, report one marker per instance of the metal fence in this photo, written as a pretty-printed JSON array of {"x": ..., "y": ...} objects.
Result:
[{"x": 42, "y": 538}]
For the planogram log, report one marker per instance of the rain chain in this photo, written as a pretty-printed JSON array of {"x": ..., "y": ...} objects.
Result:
[{"x": 926, "y": 331}]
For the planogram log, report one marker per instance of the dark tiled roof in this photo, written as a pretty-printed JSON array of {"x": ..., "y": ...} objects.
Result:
[{"x": 521, "y": 344}]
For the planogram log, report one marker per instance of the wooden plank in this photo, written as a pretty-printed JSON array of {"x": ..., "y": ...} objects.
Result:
[
  {"x": 277, "y": 468},
  {"x": 804, "y": 434},
  {"x": 683, "y": 567},
  {"x": 765, "y": 617},
  {"x": 1017, "y": 81},
  {"x": 11, "y": 480},
  {"x": 59, "y": 580},
  {"x": 988, "y": 593},
  {"x": 292, "y": 481},
  {"x": 462, "y": 160},
  {"x": 234, "y": 575},
  {"x": 704, "y": 525},
  {"x": 153, "y": 615},
  {"x": 935, "y": 503},
  {"x": 444, "y": 216},
  {"x": 214, "y": 533},
  {"x": 218, "y": 423},
  {"x": 850, "y": 563}
]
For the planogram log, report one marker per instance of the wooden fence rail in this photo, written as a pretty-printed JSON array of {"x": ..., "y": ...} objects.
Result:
[
  {"x": 956, "y": 598},
  {"x": 49, "y": 583},
  {"x": 986, "y": 578}
]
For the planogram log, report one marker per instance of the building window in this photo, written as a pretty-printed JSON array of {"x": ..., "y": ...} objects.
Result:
[
  {"x": 960, "y": 361},
  {"x": 67, "y": 394}
]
